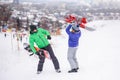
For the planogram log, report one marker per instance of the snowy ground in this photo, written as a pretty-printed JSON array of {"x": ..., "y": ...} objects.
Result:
[{"x": 98, "y": 56}]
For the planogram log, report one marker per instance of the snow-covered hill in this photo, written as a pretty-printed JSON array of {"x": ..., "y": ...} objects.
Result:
[{"x": 98, "y": 56}]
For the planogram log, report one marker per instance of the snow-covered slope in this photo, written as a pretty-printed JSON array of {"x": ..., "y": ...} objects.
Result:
[{"x": 98, "y": 56}]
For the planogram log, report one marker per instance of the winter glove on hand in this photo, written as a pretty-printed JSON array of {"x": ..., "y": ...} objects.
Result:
[
  {"x": 37, "y": 53},
  {"x": 49, "y": 37},
  {"x": 40, "y": 53},
  {"x": 82, "y": 25}
]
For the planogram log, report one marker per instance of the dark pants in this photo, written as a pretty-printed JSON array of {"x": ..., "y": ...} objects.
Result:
[{"x": 53, "y": 58}]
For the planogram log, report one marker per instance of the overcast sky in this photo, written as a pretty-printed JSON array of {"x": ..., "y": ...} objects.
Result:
[{"x": 71, "y": 0}]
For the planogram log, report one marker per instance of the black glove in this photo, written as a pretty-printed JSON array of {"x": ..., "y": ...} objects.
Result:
[
  {"x": 37, "y": 53},
  {"x": 49, "y": 37},
  {"x": 40, "y": 53}
]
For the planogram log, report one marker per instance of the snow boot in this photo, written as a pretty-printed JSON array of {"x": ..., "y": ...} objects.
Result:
[
  {"x": 72, "y": 71},
  {"x": 58, "y": 70},
  {"x": 39, "y": 72},
  {"x": 77, "y": 68}
]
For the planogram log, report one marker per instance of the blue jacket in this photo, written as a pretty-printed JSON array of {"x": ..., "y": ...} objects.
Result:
[{"x": 73, "y": 40}]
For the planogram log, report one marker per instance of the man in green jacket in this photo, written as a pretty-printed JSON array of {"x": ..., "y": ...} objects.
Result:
[{"x": 40, "y": 37}]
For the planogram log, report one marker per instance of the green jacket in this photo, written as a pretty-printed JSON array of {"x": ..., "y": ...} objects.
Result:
[{"x": 39, "y": 38}]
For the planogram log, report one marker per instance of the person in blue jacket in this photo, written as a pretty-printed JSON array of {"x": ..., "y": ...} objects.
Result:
[{"x": 74, "y": 34}]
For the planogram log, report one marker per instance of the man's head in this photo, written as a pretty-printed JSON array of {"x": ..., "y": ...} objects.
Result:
[
  {"x": 33, "y": 27},
  {"x": 75, "y": 28}
]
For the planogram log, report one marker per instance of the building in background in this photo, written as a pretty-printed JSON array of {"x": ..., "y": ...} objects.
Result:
[
  {"x": 6, "y": 1},
  {"x": 15, "y": 1}
]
